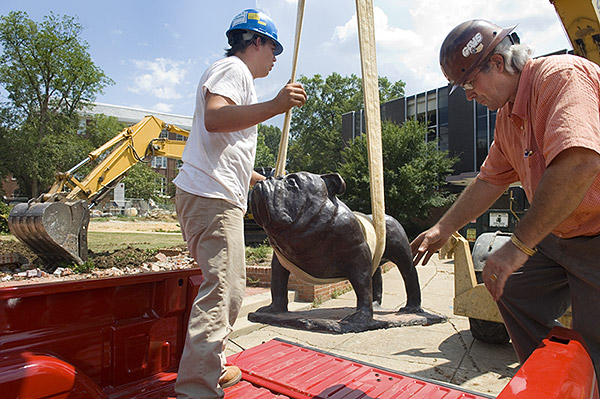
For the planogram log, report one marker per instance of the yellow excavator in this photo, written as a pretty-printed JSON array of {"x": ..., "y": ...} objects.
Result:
[
  {"x": 581, "y": 21},
  {"x": 54, "y": 225}
]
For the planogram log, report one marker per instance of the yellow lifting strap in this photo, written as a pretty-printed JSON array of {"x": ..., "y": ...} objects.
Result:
[
  {"x": 366, "y": 38},
  {"x": 283, "y": 141},
  {"x": 368, "y": 60}
]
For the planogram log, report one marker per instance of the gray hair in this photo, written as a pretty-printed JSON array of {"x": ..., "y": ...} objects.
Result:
[{"x": 515, "y": 55}]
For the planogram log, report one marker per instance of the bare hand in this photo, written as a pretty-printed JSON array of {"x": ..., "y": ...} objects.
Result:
[
  {"x": 291, "y": 95},
  {"x": 427, "y": 243},
  {"x": 499, "y": 266}
]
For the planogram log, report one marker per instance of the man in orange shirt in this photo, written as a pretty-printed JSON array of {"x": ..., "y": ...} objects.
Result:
[{"x": 547, "y": 137}]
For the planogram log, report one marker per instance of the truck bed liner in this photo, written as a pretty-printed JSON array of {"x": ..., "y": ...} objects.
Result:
[{"x": 289, "y": 370}]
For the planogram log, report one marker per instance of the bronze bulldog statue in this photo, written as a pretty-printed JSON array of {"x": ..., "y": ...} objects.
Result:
[{"x": 318, "y": 238}]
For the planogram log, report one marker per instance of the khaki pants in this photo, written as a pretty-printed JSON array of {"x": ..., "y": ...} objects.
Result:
[
  {"x": 563, "y": 272},
  {"x": 214, "y": 231}
]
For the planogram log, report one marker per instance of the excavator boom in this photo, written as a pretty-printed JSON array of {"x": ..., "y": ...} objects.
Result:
[
  {"x": 581, "y": 21},
  {"x": 55, "y": 225}
]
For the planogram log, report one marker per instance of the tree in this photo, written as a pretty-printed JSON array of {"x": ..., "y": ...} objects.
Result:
[
  {"x": 272, "y": 136},
  {"x": 414, "y": 173},
  {"x": 267, "y": 146},
  {"x": 264, "y": 156},
  {"x": 101, "y": 128},
  {"x": 142, "y": 182},
  {"x": 316, "y": 142},
  {"x": 49, "y": 76},
  {"x": 98, "y": 130}
]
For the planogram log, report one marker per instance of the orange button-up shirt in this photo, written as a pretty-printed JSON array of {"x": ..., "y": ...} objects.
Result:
[{"x": 557, "y": 106}]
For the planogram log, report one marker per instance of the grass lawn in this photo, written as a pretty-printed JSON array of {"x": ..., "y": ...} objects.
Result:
[
  {"x": 108, "y": 241},
  {"x": 101, "y": 242}
]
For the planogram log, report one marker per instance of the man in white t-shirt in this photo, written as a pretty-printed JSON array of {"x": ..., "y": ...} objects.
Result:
[{"x": 212, "y": 193}]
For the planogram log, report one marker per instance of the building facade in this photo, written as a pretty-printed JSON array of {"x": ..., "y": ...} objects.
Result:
[{"x": 463, "y": 128}]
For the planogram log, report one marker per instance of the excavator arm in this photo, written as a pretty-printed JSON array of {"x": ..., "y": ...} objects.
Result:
[
  {"x": 581, "y": 21},
  {"x": 55, "y": 225}
]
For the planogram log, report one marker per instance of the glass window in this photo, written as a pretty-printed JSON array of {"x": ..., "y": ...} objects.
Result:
[
  {"x": 443, "y": 140},
  {"x": 410, "y": 108},
  {"x": 485, "y": 124},
  {"x": 443, "y": 119},
  {"x": 159, "y": 162}
]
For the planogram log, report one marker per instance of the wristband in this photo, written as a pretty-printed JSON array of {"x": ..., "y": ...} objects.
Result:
[{"x": 524, "y": 248}]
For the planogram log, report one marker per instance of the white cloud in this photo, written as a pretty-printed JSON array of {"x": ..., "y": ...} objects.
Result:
[
  {"x": 159, "y": 78},
  {"x": 409, "y": 34},
  {"x": 162, "y": 107}
]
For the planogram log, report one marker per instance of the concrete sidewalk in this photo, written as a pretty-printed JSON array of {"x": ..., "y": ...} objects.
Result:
[{"x": 442, "y": 352}]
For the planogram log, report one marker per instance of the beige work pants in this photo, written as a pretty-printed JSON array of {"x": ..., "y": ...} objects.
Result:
[{"x": 214, "y": 231}]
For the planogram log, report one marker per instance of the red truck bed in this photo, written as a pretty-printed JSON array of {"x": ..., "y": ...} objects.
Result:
[
  {"x": 122, "y": 338},
  {"x": 289, "y": 370}
]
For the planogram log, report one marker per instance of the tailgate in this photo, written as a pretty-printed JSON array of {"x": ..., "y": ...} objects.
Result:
[{"x": 289, "y": 370}]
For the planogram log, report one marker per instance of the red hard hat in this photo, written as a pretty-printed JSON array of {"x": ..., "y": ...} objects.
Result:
[{"x": 467, "y": 47}]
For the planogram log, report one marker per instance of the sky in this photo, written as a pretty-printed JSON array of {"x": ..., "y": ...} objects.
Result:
[{"x": 156, "y": 51}]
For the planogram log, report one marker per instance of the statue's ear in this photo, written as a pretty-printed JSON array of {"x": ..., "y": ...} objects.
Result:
[{"x": 335, "y": 184}]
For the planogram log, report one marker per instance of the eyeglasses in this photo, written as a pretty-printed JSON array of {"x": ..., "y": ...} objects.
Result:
[{"x": 469, "y": 85}]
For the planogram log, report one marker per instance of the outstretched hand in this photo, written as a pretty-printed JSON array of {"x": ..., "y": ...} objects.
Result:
[{"x": 426, "y": 244}]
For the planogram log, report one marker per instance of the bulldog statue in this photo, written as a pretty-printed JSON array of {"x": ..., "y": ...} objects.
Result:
[{"x": 320, "y": 240}]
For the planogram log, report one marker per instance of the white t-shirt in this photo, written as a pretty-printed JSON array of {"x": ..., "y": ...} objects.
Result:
[{"x": 219, "y": 165}]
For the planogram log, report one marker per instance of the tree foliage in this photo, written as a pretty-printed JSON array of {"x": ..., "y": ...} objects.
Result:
[
  {"x": 414, "y": 173},
  {"x": 4, "y": 212},
  {"x": 100, "y": 128},
  {"x": 142, "y": 182},
  {"x": 272, "y": 136},
  {"x": 267, "y": 145},
  {"x": 49, "y": 76},
  {"x": 315, "y": 133}
]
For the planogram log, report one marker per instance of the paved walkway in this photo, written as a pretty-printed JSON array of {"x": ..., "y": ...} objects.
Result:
[{"x": 443, "y": 352}]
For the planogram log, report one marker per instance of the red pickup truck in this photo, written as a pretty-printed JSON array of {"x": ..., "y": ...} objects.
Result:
[{"x": 122, "y": 337}]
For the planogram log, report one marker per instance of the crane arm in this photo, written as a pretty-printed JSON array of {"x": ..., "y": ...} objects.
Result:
[
  {"x": 138, "y": 143},
  {"x": 581, "y": 21}
]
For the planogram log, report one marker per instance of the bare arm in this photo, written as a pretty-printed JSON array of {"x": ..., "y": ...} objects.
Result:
[
  {"x": 222, "y": 115},
  {"x": 255, "y": 178},
  {"x": 562, "y": 188},
  {"x": 474, "y": 200}
]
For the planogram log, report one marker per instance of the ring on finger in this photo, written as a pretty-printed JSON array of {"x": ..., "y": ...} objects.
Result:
[{"x": 493, "y": 277}]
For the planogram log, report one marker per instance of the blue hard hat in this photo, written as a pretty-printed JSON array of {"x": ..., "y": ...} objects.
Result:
[{"x": 255, "y": 21}]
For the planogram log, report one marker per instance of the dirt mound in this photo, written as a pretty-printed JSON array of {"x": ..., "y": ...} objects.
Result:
[
  {"x": 16, "y": 247},
  {"x": 19, "y": 265}
]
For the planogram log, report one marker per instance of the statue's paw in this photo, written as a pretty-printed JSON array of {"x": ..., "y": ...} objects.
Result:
[
  {"x": 272, "y": 308},
  {"x": 410, "y": 309},
  {"x": 360, "y": 317}
]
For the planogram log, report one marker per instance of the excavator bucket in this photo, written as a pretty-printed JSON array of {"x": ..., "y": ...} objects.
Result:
[{"x": 56, "y": 231}]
